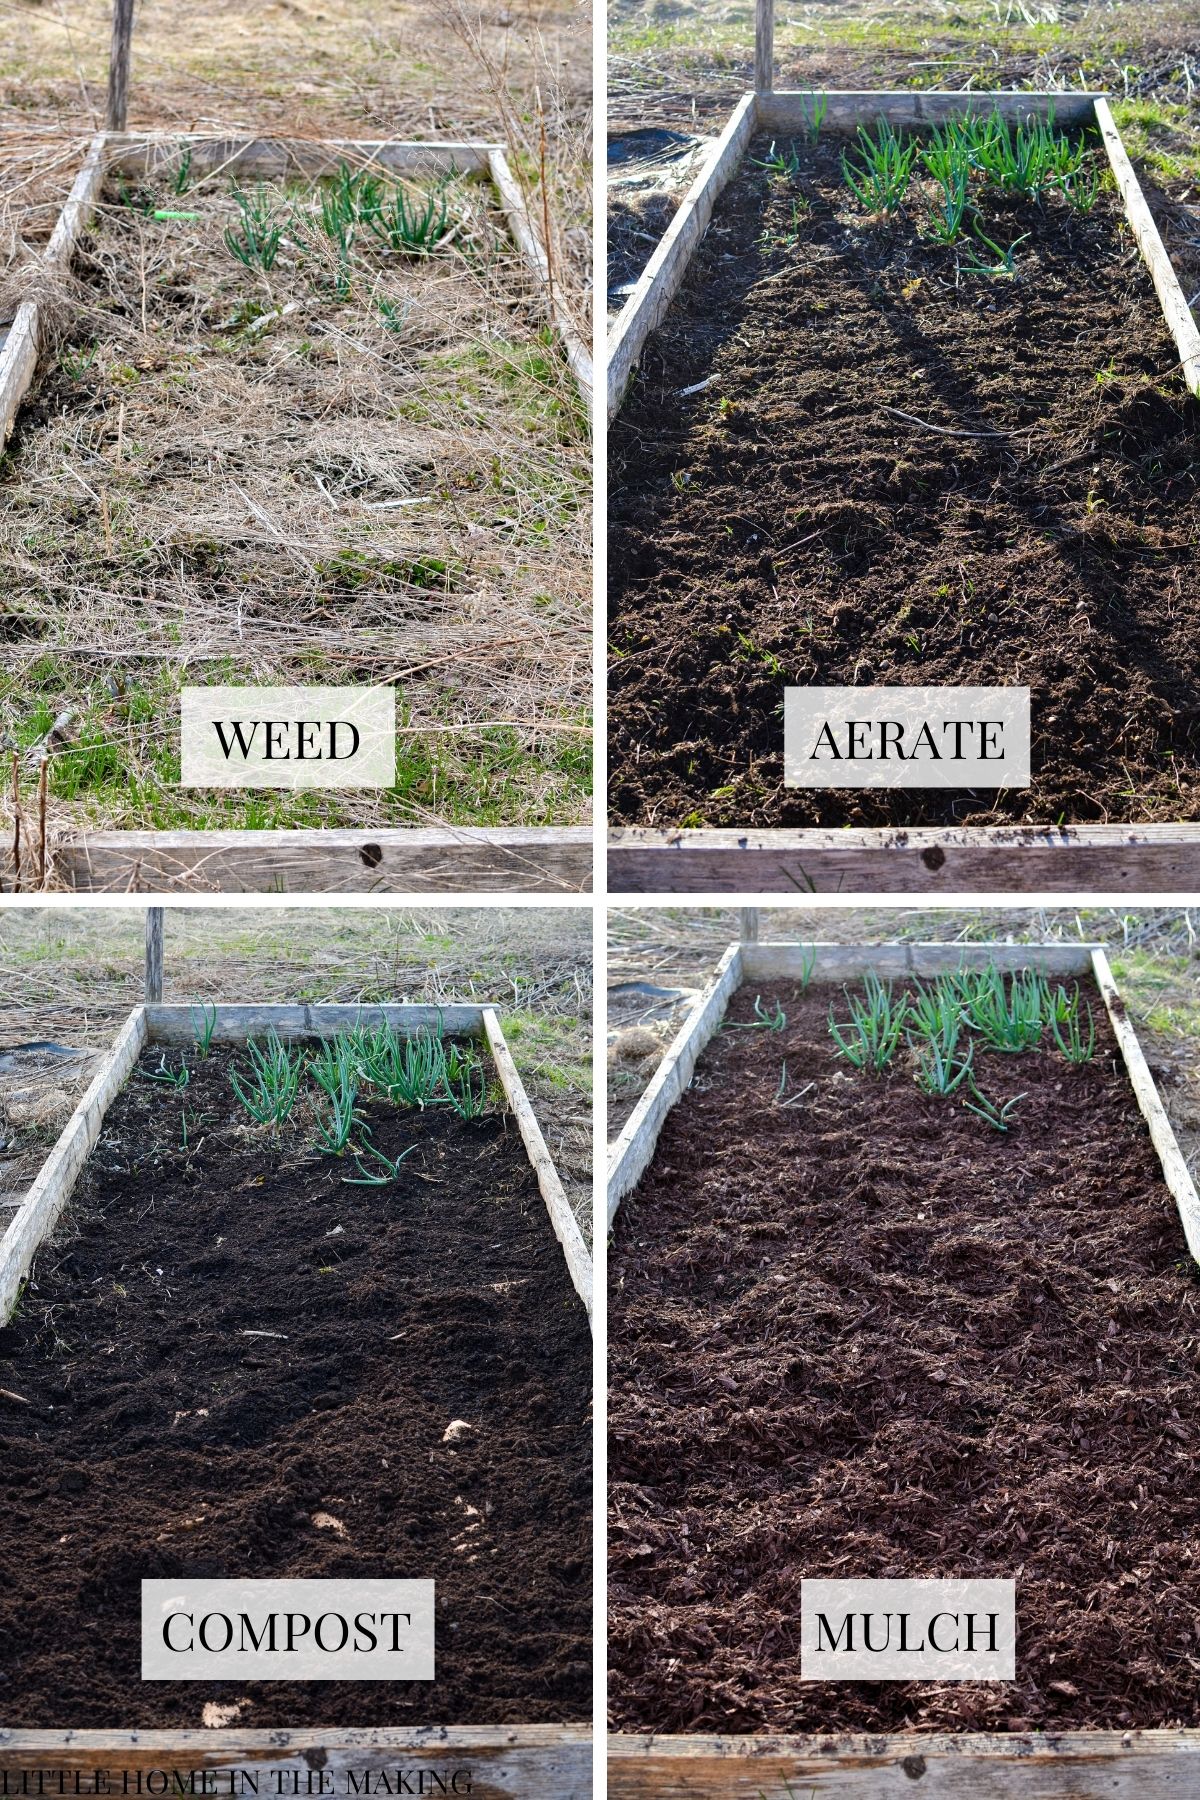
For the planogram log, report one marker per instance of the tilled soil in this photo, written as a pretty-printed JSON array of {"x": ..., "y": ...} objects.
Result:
[
  {"x": 781, "y": 526},
  {"x": 867, "y": 1335},
  {"x": 162, "y": 1438}
]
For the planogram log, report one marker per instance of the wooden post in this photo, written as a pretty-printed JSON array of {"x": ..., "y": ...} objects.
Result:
[
  {"x": 764, "y": 46},
  {"x": 118, "y": 65},
  {"x": 748, "y": 924},
  {"x": 154, "y": 954}
]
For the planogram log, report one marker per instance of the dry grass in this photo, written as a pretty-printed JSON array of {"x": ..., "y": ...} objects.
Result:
[
  {"x": 227, "y": 475},
  {"x": 72, "y": 975},
  {"x": 1155, "y": 954}
]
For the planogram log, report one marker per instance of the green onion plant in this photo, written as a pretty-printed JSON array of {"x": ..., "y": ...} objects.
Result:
[
  {"x": 271, "y": 1082},
  {"x": 871, "y": 1036}
]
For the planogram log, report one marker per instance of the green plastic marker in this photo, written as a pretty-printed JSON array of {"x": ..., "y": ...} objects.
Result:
[{"x": 176, "y": 215}]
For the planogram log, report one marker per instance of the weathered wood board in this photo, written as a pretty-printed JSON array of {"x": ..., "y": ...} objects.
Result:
[
  {"x": 38, "y": 1214},
  {"x": 1128, "y": 859},
  {"x": 1076, "y": 1765},
  {"x": 500, "y": 1762},
  {"x": 566, "y": 1226},
  {"x": 417, "y": 860}
]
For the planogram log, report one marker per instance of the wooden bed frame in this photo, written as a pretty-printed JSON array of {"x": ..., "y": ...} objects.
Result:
[
  {"x": 173, "y": 1025},
  {"x": 541, "y": 1762},
  {"x": 396, "y": 860},
  {"x": 1135, "y": 858},
  {"x": 504, "y": 1762},
  {"x": 1076, "y": 1765}
]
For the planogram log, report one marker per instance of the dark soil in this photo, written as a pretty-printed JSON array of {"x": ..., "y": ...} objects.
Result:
[
  {"x": 868, "y": 1335},
  {"x": 781, "y": 527},
  {"x": 162, "y": 1441}
]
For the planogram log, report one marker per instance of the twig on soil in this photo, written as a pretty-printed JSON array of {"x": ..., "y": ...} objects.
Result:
[
  {"x": 7, "y": 1394},
  {"x": 943, "y": 430}
]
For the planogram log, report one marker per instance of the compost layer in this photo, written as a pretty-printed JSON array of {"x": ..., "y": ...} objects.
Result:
[
  {"x": 163, "y": 1439},
  {"x": 779, "y": 525},
  {"x": 867, "y": 1335}
]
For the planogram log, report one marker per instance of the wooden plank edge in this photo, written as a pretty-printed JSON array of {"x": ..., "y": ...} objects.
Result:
[
  {"x": 174, "y": 1024},
  {"x": 263, "y": 1743},
  {"x": 1162, "y": 1135},
  {"x": 52, "y": 1188},
  {"x": 1176, "y": 311},
  {"x": 254, "y": 1742},
  {"x": 632, "y": 1152},
  {"x": 18, "y": 364},
  {"x": 1101, "y": 858},
  {"x": 553, "y": 859},
  {"x": 512, "y": 200},
  {"x": 1068, "y": 1765},
  {"x": 535, "y": 1762},
  {"x": 1025, "y": 1746},
  {"x": 139, "y": 153},
  {"x": 767, "y": 961},
  {"x": 80, "y": 203},
  {"x": 562, "y": 1219},
  {"x": 790, "y": 109},
  {"x": 660, "y": 280}
]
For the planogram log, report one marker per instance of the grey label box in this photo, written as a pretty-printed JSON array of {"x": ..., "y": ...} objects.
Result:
[
  {"x": 906, "y": 737},
  {"x": 292, "y": 738},
  {"x": 900, "y": 1630},
  {"x": 302, "y": 1630}
]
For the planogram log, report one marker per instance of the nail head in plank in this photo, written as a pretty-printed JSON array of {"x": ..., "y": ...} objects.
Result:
[
  {"x": 634, "y": 1148},
  {"x": 1171, "y": 296},
  {"x": 1175, "y": 1170},
  {"x": 52, "y": 1189},
  {"x": 563, "y": 1220}
]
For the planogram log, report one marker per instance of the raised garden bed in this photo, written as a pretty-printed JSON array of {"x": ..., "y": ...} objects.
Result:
[
  {"x": 856, "y": 1328},
  {"x": 242, "y": 1358},
  {"x": 280, "y": 437},
  {"x": 852, "y": 458}
]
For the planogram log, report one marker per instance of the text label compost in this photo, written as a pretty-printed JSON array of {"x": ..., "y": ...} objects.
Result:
[{"x": 303, "y": 1630}]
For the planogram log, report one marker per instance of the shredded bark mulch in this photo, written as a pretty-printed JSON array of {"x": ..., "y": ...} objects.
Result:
[
  {"x": 781, "y": 526},
  {"x": 867, "y": 1335},
  {"x": 160, "y": 1440}
]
